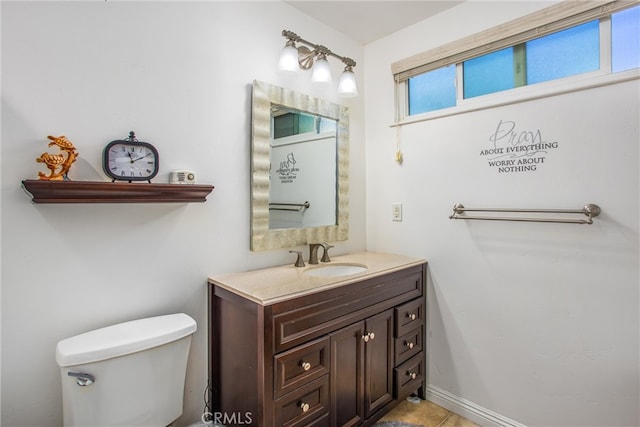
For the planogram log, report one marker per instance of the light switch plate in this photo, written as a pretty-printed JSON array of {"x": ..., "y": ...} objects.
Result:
[{"x": 396, "y": 211}]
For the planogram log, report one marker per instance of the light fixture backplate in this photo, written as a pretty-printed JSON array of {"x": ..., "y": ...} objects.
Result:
[{"x": 305, "y": 57}]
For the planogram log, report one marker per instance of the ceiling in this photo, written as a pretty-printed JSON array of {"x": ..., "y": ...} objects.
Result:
[{"x": 366, "y": 21}]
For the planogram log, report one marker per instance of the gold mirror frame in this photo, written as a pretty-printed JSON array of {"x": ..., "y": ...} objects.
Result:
[{"x": 263, "y": 238}]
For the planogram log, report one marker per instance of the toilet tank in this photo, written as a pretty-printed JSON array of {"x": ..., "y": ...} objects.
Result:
[{"x": 129, "y": 374}]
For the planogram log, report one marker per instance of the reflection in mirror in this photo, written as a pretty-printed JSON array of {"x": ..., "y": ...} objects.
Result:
[
  {"x": 299, "y": 169},
  {"x": 303, "y": 179}
]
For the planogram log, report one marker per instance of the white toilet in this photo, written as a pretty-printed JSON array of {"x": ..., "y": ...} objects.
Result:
[{"x": 129, "y": 374}]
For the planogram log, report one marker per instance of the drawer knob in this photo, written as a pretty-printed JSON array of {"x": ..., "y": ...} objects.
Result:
[
  {"x": 412, "y": 375},
  {"x": 304, "y": 406},
  {"x": 408, "y": 344},
  {"x": 372, "y": 335},
  {"x": 411, "y": 316},
  {"x": 305, "y": 365}
]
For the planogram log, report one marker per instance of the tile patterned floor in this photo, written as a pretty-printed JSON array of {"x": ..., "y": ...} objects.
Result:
[{"x": 426, "y": 414}]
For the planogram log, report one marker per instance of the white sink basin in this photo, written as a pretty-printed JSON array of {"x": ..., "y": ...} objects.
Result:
[{"x": 333, "y": 270}]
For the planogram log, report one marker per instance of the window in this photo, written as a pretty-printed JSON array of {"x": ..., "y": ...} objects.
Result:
[
  {"x": 625, "y": 40},
  {"x": 488, "y": 73},
  {"x": 571, "y": 46},
  {"x": 573, "y": 51},
  {"x": 433, "y": 90}
]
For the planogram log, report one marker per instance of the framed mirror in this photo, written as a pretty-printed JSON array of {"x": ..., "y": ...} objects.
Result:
[{"x": 299, "y": 169}]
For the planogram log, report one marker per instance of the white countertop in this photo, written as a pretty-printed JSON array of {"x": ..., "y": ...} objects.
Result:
[{"x": 271, "y": 285}]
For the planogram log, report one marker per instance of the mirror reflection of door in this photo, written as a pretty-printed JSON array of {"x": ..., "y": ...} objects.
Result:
[{"x": 303, "y": 170}]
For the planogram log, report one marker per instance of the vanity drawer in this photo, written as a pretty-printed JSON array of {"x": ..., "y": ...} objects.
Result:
[
  {"x": 409, "y": 376},
  {"x": 300, "y": 365},
  {"x": 408, "y": 345},
  {"x": 305, "y": 406},
  {"x": 409, "y": 316},
  {"x": 320, "y": 422},
  {"x": 301, "y": 319}
]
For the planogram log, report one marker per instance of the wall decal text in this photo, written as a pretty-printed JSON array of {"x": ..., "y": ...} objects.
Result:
[{"x": 514, "y": 150}]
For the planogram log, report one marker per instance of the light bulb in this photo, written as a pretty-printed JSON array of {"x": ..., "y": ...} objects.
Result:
[
  {"x": 321, "y": 70},
  {"x": 347, "y": 85},
  {"x": 288, "y": 62}
]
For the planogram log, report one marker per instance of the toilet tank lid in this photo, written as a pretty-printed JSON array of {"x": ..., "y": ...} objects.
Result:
[{"x": 123, "y": 338}]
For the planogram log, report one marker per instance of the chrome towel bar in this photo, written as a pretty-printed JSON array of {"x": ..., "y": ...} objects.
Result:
[
  {"x": 590, "y": 210},
  {"x": 289, "y": 206}
]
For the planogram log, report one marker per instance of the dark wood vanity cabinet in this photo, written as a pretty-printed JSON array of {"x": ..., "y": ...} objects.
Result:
[{"x": 339, "y": 357}]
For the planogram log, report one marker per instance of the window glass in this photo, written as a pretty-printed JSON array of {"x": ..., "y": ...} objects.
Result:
[
  {"x": 565, "y": 53},
  {"x": 625, "y": 39},
  {"x": 573, "y": 51},
  {"x": 488, "y": 73},
  {"x": 433, "y": 90},
  {"x": 292, "y": 124}
]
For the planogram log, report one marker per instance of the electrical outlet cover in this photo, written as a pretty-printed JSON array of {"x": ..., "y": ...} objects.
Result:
[{"x": 396, "y": 211}]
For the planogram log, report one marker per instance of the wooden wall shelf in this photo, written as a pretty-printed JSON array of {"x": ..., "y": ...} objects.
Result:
[{"x": 114, "y": 192}]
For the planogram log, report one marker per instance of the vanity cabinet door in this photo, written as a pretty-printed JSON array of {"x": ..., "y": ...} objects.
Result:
[
  {"x": 347, "y": 382},
  {"x": 378, "y": 356},
  {"x": 361, "y": 369}
]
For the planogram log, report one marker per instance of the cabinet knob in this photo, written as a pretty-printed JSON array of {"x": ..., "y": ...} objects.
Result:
[
  {"x": 412, "y": 375},
  {"x": 304, "y": 406},
  {"x": 368, "y": 336},
  {"x": 408, "y": 344},
  {"x": 305, "y": 365},
  {"x": 411, "y": 316}
]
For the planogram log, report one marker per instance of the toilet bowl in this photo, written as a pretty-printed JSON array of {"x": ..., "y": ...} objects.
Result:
[{"x": 129, "y": 374}]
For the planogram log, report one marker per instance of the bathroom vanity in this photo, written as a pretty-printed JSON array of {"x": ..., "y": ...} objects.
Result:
[{"x": 323, "y": 345}]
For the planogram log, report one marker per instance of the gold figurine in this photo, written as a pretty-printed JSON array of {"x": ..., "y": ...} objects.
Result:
[{"x": 54, "y": 161}]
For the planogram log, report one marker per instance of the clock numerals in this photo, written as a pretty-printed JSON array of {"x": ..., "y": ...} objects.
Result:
[{"x": 128, "y": 160}]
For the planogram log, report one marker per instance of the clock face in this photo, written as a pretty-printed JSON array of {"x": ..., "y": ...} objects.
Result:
[{"x": 130, "y": 161}]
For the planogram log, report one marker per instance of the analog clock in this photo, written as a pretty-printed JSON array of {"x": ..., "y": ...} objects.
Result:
[{"x": 130, "y": 160}]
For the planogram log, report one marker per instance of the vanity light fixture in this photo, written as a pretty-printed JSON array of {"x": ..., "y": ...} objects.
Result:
[{"x": 294, "y": 57}]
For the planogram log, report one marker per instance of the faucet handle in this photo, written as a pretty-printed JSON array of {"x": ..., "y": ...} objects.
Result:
[
  {"x": 325, "y": 255},
  {"x": 299, "y": 261}
]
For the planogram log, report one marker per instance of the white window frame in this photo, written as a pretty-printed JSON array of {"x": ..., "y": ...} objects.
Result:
[{"x": 555, "y": 18}]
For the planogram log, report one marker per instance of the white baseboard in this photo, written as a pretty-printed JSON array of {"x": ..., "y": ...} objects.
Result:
[{"x": 467, "y": 409}]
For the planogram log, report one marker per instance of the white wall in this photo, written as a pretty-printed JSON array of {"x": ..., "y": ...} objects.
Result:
[
  {"x": 179, "y": 74},
  {"x": 528, "y": 323}
]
